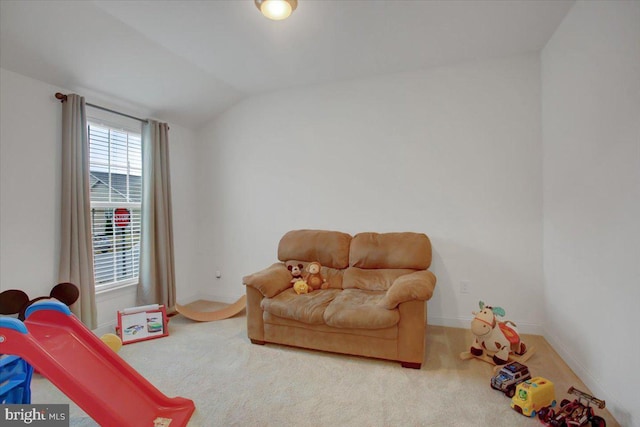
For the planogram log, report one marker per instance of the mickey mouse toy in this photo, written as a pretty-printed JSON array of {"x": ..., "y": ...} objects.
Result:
[{"x": 15, "y": 301}]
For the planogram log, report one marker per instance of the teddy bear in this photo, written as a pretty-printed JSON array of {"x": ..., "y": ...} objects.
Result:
[
  {"x": 314, "y": 277},
  {"x": 296, "y": 272}
]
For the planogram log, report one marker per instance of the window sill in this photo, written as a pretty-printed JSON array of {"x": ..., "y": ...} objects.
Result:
[{"x": 102, "y": 290}]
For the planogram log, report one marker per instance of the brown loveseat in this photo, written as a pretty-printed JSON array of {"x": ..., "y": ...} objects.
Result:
[{"x": 375, "y": 305}]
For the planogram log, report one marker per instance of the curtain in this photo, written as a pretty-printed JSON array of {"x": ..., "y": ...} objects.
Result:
[
  {"x": 76, "y": 250},
  {"x": 157, "y": 276}
]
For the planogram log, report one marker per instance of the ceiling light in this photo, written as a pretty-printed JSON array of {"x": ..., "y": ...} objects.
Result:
[{"x": 276, "y": 9}]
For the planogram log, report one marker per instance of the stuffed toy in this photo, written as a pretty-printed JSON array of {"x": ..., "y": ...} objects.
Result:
[
  {"x": 296, "y": 272},
  {"x": 301, "y": 287},
  {"x": 15, "y": 301},
  {"x": 314, "y": 277},
  {"x": 494, "y": 336}
]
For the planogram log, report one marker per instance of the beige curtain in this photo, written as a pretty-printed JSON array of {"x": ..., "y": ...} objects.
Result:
[
  {"x": 76, "y": 250},
  {"x": 157, "y": 277}
]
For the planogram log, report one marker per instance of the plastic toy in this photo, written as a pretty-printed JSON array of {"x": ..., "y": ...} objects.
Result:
[
  {"x": 500, "y": 339},
  {"x": 533, "y": 395},
  {"x": 576, "y": 413},
  {"x": 142, "y": 323},
  {"x": 301, "y": 287},
  {"x": 509, "y": 377},
  {"x": 15, "y": 380},
  {"x": 75, "y": 360},
  {"x": 113, "y": 341},
  {"x": 15, "y": 301}
]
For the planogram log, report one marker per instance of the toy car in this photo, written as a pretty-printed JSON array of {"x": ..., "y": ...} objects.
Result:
[
  {"x": 509, "y": 377},
  {"x": 132, "y": 330},
  {"x": 153, "y": 326},
  {"x": 574, "y": 414},
  {"x": 533, "y": 395}
]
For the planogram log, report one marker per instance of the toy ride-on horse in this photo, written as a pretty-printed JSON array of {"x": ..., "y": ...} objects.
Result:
[{"x": 500, "y": 340}]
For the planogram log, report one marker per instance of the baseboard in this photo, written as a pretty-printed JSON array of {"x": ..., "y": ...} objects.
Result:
[
  {"x": 465, "y": 323},
  {"x": 587, "y": 378},
  {"x": 106, "y": 328},
  {"x": 209, "y": 297},
  {"x": 110, "y": 327},
  {"x": 190, "y": 299}
]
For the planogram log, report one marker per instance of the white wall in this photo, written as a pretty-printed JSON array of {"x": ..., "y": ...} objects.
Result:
[
  {"x": 591, "y": 136},
  {"x": 452, "y": 152},
  {"x": 30, "y": 133}
]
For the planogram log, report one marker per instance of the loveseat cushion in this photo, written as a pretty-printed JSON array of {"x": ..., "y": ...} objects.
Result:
[
  {"x": 372, "y": 280},
  {"x": 415, "y": 286},
  {"x": 390, "y": 250},
  {"x": 329, "y": 248},
  {"x": 270, "y": 281},
  {"x": 307, "y": 308},
  {"x": 384, "y": 333},
  {"x": 358, "y": 309}
]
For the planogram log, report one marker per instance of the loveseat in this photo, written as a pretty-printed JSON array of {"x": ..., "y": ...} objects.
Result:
[{"x": 375, "y": 305}]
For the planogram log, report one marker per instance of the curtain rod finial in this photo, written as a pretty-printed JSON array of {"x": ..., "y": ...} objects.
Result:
[{"x": 61, "y": 96}]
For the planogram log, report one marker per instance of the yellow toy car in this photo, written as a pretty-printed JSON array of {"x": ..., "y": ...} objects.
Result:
[{"x": 533, "y": 395}]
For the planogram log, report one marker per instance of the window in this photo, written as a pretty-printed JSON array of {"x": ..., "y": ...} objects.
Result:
[{"x": 115, "y": 169}]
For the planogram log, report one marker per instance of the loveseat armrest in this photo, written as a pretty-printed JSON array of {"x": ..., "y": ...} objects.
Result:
[
  {"x": 270, "y": 281},
  {"x": 418, "y": 285}
]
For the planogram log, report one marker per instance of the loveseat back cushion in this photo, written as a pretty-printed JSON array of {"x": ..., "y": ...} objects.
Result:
[
  {"x": 307, "y": 308},
  {"x": 329, "y": 248},
  {"x": 358, "y": 309},
  {"x": 390, "y": 250},
  {"x": 372, "y": 279}
]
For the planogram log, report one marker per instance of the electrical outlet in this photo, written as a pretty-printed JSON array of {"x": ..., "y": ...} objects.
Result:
[{"x": 465, "y": 287}]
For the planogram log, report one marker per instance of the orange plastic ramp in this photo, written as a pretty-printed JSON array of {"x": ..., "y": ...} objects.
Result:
[
  {"x": 208, "y": 316},
  {"x": 76, "y": 361}
]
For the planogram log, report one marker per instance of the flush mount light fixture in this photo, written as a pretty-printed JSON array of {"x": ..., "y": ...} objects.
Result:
[{"x": 276, "y": 9}]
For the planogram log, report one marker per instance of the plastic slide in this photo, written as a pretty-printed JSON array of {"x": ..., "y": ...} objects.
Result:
[{"x": 76, "y": 361}]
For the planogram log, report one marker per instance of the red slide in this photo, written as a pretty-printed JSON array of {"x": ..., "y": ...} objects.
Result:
[{"x": 106, "y": 387}]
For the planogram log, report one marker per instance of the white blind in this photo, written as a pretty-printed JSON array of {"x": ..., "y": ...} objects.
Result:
[{"x": 115, "y": 165}]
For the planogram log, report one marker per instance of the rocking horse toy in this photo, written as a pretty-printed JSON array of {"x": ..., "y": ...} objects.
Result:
[{"x": 496, "y": 342}]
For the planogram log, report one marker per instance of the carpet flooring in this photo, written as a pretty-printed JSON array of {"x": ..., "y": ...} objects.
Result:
[{"x": 236, "y": 383}]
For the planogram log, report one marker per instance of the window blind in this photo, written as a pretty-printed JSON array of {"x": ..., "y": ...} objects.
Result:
[{"x": 115, "y": 165}]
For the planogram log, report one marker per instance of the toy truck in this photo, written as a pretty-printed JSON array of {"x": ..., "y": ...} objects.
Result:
[
  {"x": 533, "y": 395},
  {"x": 509, "y": 377}
]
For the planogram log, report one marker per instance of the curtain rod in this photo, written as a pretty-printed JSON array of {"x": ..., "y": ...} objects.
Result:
[{"x": 62, "y": 97}]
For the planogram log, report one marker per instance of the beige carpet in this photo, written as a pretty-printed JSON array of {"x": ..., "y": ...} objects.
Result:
[{"x": 236, "y": 383}]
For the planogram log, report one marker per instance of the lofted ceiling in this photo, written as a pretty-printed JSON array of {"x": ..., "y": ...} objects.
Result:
[{"x": 187, "y": 61}]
